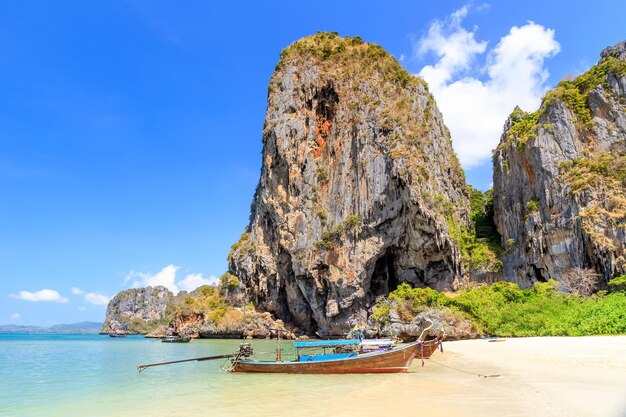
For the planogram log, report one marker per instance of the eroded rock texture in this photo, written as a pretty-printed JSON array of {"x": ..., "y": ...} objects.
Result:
[
  {"x": 131, "y": 310},
  {"x": 206, "y": 312},
  {"x": 559, "y": 177},
  {"x": 358, "y": 185}
]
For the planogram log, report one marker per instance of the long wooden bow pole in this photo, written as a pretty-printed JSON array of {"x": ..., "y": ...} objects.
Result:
[{"x": 205, "y": 358}]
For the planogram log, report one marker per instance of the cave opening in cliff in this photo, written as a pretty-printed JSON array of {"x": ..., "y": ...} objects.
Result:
[
  {"x": 538, "y": 274},
  {"x": 326, "y": 100},
  {"x": 384, "y": 279}
]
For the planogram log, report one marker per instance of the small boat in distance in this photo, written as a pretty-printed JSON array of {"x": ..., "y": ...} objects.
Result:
[
  {"x": 176, "y": 339},
  {"x": 117, "y": 334}
]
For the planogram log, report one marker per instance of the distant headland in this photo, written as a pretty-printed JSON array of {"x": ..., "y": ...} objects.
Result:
[{"x": 85, "y": 327}]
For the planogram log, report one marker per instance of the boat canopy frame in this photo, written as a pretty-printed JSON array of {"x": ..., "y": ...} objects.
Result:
[{"x": 326, "y": 343}]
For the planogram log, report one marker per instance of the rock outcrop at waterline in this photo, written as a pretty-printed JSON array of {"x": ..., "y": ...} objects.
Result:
[
  {"x": 560, "y": 176},
  {"x": 359, "y": 190},
  {"x": 206, "y": 312},
  {"x": 137, "y": 310}
]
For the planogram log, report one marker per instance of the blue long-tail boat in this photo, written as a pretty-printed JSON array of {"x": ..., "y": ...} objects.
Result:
[
  {"x": 347, "y": 356},
  {"x": 340, "y": 357}
]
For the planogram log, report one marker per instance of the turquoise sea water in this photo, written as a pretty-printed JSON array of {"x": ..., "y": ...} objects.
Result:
[
  {"x": 70, "y": 376},
  {"x": 92, "y": 375}
]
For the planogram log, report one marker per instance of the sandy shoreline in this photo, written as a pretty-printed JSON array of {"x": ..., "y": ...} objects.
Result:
[
  {"x": 544, "y": 376},
  {"x": 547, "y": 376}
]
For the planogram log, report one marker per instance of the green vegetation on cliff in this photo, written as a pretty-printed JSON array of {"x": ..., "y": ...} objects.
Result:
[
  {"x": 229, "y": 282},
  {"x": 573, "y": 93},
  {"x": 598, "y": 168},
  {"x": 480, "y": 244},
  {"x": 208, "y": 302},
  {"x": 503, "y": 309},
  {"x": 601, "y": 176},
  {"x": 574, "y": 98},
  {"x": 242, "y": 247},
  {"x": 146, "y": 310},
  {"x": 330, "y": 47},
  {"x": 597, "y": 74},
  {"x": 523, "y": 126},
  {"x": 134, "y": 325},
  {"x": 332, "y": 235}
]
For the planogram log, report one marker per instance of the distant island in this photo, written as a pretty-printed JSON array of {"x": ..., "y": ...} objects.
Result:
[{"x": 85, "y": 327}]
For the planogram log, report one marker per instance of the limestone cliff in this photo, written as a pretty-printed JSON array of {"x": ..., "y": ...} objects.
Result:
[
  {"x": 559, "y": 178},
  {"x": 137, "y": 310},
  {"x": 206, "y": 312},
  {"x": 359, "y": 190}
]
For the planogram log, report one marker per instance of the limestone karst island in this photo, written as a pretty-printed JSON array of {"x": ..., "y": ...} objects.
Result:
[{"x": 396, "y": 255}]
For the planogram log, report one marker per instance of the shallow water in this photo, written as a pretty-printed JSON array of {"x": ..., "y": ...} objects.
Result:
[
  {"x": 54, "y": 375},
  {"x": 43, "y": 375}
]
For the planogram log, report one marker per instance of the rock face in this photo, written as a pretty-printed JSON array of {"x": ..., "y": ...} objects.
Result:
[
  {"x": 359, "y": 187},
  {"x": 206, "y": 312},
  {"x": 559, "y": 177},
  {"x": 135, "y": 309},
  {"x": 453, "y": 326}
]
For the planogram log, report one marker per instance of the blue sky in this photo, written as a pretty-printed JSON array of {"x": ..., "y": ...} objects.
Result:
[{"x": 130, "y": 131}]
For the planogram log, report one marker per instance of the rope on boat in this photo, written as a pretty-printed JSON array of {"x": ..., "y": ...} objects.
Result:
[
  {"x": 466, "y": 372},
  {"x": 229, "y": 366}
]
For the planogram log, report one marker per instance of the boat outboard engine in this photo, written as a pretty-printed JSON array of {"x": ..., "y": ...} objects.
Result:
[{"x": 245, "y": 350}]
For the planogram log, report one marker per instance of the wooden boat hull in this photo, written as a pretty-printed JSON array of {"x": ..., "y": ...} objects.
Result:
[{"x": 390, "y": 361}]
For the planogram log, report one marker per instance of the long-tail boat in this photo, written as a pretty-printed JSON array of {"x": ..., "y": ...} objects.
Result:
[
  {"x": 392, "y": 360},
  {"x": 347, "y": 356}
]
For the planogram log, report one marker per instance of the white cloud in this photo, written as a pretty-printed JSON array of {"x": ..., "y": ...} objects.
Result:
[
  {"x": 193, "y": 281},
  {"x": 475, "y": 110},
  {"x": 455, "y": 47},
  {"x": 483, "y": 7},
  {"x": 97, "y": 299},
  {"x": 77, "y": 291},
  {"x": 166, "y": 277},
  {"x": 16, "y": 316},
  {"x": 42, "y": 295}
]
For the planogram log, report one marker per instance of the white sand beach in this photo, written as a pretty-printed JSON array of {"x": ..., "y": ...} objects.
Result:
[{"x": 543, "y": 376}]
